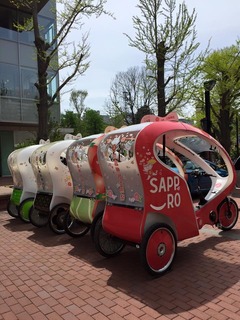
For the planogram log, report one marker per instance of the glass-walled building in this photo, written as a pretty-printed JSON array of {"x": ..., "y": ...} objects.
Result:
[{"x": 18, "y": 74}]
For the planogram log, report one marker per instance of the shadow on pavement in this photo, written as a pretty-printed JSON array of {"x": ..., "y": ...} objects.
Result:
[
  {"x": 204, "y": 268},
  {"x": 201, "y": 272}
]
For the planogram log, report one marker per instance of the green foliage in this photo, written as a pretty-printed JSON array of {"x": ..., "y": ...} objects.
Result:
[
  {"x": 223, "y": 66},
  {"x": 26, "y": 143},
  {"x": 77, "y": 99},
  {"x": 54, "y": 131},
  {"x": 71, "y": 120},
  {"x": 117, "y": 120},
  {"x": 92, "y": 123}
]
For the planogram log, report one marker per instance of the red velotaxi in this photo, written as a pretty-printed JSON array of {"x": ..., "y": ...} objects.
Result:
[{"x": 148, "y": 199}]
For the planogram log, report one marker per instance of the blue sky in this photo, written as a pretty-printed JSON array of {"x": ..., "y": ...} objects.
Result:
[{"x": 217, "y": 20}]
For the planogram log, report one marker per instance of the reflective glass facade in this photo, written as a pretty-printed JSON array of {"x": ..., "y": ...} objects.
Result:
[
  {"x": 18, "y": 67},
  {"x": 18, "y": 75},
  {"x": 11, "y": 18}
]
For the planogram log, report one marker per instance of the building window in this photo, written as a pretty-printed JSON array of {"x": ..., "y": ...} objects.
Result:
[
  {"x": 47, "y": 28},
  {"x": 9, "y": 80},
  {"x": 8, "y": 20},
  {"x": 10, "y": 109},
  {"x": 29, "y": 78},
  {"x": 25, "y": 20},
  {"x": 25, "y": 114},
  {"x": 53, "y": 84}
]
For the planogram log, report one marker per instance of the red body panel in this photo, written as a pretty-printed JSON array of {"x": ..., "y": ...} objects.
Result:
[
  {"x": 142, "y": 190},
  {"x": 123, "y": 222}
]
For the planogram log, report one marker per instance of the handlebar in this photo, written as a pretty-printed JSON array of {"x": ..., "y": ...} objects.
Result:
[{"x": 198, "y": 173}]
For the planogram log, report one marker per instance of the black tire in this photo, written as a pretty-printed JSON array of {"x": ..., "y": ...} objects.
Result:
[
  {"x": 158, "y": 249},
  {"x": 227, "y": 214},
  {"x": 99, "y": 215},
  {"x": 106, "y": 244},
  {"x": 38, "y": 218},
  {"x": 24, "y": 209},
  {"x": 57, "y": 217},
  {"x": 74, "y": 227},
  {"x": 12, "y": 209}
]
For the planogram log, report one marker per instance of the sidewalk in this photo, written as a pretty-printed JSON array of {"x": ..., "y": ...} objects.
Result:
[
  {"x": 6, "y": 184},
  {"x": 48, "y": 276}
]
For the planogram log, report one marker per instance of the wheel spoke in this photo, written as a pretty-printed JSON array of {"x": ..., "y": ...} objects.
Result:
[
  {"x": 228, "y": 215},
  {"x": 106, "y": 244},
  {"x": 74, "y": 227},
  {"x": 38, "y": 218},
  {"x": 57, "y": 218}
]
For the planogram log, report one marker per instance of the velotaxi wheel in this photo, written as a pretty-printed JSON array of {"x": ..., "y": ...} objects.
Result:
[
  {"x": 57, "y": 217},
  {"x": 24, "y": 209},
  {"x": 38, "y": 218},
  {"x": 158, "y": 249},
  {"x": 106, "y": 244},
  {"x": 74, "y": 227},
  {"x": 227, "y": 214},
  {"x": 12, "y": 209}
]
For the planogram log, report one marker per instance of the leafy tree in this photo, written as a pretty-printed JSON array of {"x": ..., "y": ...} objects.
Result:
[
  {"x": 92, "y": 123},
  {"x": 167, "y": 36},
  {"x": 77, "y": 99},
  {"x": 130, "y": 91},
  {"x": 142, "y": 112},
  {"x": 73, "y": 56},
  {"x": 223, "y": 66},
  {"x": 115, "y": 117},
  {"x": 71, "y": 120}
]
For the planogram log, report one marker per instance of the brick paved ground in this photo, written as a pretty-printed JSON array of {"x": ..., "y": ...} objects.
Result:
[{"x": 47, "y": 276}]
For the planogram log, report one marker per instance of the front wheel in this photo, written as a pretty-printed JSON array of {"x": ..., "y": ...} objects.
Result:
[
  {"x": 227, "y": 214},
  {"x": 38, "y": 218},
  {"x": 106, "y": 244},
  {"x": 158, "y": 249},
  {"x": 57, "y": 217},
  {"x": 24, "y": 209},
  {"x": 74, "y": 227}
]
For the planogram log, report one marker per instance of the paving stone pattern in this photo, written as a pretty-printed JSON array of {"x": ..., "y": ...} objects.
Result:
[{"x": 48, "y": 276}]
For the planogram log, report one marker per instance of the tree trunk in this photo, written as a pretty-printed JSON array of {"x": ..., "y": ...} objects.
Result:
[
  {"x": 41, "y": 85},
  {"x": 161, "y": 52},
  {"x": 225, "y": 129},
  {"x": 42, "y": 122},
  {"x": 43, "y": 104}
]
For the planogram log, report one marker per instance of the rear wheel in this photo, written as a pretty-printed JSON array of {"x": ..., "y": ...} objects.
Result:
[
  {"x": 227, "y": 214},
  {"x": 74, "y": 227},
  {"x": 12, "y": 209},
  {"x": 57, "y": 217},
  {"x": 38, "y": 218},
  {"x": 106, "y": 244},
  {"x": 24, "y": 209},
  {"x": 158, "y": 249}
]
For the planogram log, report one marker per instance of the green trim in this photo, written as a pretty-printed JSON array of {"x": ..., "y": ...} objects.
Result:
[
  {"x": 16, "y": 196},
  {"x": 82, "y": 209}
]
